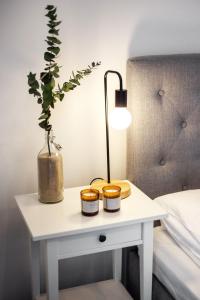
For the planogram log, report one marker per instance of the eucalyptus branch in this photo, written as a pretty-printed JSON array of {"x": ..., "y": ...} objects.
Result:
[
  {"x": 45, "y": 90},
  {"x": 48, "y": 143}
]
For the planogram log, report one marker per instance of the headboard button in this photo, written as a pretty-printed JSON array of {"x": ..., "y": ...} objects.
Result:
[
  {"x": 161, "y": 93},
  {"x": 183, "y": 124},
  {"x": 162, "y": 162}
]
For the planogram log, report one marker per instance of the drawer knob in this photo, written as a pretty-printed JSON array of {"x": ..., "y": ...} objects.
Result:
[{"x": 102, "y": 238}]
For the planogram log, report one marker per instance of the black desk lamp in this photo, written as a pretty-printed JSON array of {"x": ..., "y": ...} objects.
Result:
[{"x": 119, "y": 118}]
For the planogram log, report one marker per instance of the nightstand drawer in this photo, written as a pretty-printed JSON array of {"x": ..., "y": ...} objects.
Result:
[{"x": 97, "y": 241}]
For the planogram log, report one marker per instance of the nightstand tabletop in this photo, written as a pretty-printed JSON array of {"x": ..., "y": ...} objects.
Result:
[{"x": 65, "y": 218}]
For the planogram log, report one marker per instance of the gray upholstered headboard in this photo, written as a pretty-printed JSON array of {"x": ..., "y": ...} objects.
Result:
[{"x": 164, "y": 138}]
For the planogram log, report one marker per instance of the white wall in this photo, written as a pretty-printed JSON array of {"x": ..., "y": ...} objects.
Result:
[{"x": 106, "y": 30}]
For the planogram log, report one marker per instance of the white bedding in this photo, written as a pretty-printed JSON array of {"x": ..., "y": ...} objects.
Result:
[
  {"x": 183, "y": 221},
  {"x": 174, "y": 268},
  {"x": 183, "y": 238}
]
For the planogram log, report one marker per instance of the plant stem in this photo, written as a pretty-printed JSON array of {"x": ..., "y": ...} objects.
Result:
[{"x": 48, "y": 143}]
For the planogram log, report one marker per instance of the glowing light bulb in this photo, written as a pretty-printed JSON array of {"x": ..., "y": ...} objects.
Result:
[{"x": 120, "y": 118}]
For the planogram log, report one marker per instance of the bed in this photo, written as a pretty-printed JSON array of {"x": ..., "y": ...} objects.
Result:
[
  {"x": 163, "y": 158},
  {"x": 174, "y": 268}
]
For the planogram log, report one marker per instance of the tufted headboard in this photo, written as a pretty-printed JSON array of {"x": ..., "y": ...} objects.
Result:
[{"x": 164, "y": 138}]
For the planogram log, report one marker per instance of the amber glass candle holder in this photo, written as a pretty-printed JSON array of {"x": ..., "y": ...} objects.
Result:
[
  {"x": 111, "y": 198},
  {"x": 89, "y": 202}
]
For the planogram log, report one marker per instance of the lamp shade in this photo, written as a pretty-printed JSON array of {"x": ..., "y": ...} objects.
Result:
[{"x": 121, "y": 98}]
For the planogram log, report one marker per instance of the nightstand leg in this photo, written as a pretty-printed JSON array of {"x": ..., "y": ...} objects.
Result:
[
  {"x": 51, "y": 270},
  {"x": 35, "y": 268},
  {"x": 146, "y": 261},
  {"x": 117, "y": 263}
]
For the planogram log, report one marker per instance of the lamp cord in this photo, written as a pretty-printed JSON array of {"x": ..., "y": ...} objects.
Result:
[{"x": 97, "y": 178}]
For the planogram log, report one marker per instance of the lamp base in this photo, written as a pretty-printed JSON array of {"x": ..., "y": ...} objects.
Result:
[{"x": 124, "y": 185}]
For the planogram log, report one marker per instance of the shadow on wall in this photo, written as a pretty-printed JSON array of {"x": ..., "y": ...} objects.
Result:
[
  {"x": 154, "y": 37},
  {"x": 16, "y": 257}
]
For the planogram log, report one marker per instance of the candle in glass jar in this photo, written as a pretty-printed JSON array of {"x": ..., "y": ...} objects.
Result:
[
  {"x": 89, "y": 202},
  {"x": 111, "y": 198}
]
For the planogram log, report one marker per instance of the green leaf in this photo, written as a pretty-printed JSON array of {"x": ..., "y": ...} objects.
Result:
[
  {"x": 50, "y": 25},
  {"x": 48, "y": 86},
  {"x": 43, "y": 124},
  {"x": 51, "y": 12},
  {"x": 54, "y": 31},
  {"x": 56, "y": 75},
  {"x": 68, "y": 86},
  {"x": 53, "y": 24},
  {"x": 47, "y": 96},
  {"x": 34, "y": 92},
  {"x": 62, "y": 96},
  {"x": 45, "y": 77},
  {"x": 48, "y": 56},
  {"x": 56, "y": 69},
  {"x": 42, "y": 117},
  {"x": 52, "y": 83},
  {"x": 47, "y": 91},
  {"x": 49, "y": 43},
  {"x": 45, "y": 105},
  {"x": 52, "y": 15},
  {"x": 75, "y": 81},
  {"x": 78, "y": 76},
  {"x": 53, "y": 40},
  {"x": 31, "y": 78},
  {"x": 48, "y": 127},
  {"x": 43, "y": 111},
  {"x": 39, "y": 101},
  {"x": 50, "y": 7},
  {"x": 55, "y": 50},
  {"x": 87, "y": 72},
  {"x": 31, "y": 91},
  {"x": 57, "y": 23},
  {"x": 35, "y": 85}
]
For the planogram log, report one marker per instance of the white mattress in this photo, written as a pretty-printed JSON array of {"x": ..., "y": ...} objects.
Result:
[{"x": 174, "y": 268}]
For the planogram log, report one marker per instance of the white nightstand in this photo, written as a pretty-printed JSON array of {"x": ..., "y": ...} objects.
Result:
[{"x": 66, "y": 233}]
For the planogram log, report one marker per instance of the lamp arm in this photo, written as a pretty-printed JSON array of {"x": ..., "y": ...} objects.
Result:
[
  {"x": 119, "y": 76},
  {"x": 106, "y": 117}
]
